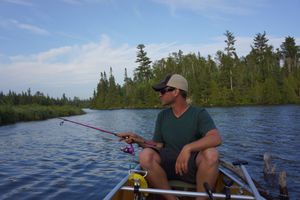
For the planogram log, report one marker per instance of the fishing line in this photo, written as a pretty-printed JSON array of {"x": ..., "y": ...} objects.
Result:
[{"x": 128, "y": 149}]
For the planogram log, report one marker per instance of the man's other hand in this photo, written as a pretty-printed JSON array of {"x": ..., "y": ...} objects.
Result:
[{"x": 181, "y": 166}]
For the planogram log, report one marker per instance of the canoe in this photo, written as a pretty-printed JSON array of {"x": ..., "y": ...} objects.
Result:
[{"x": 234, "y": 182}]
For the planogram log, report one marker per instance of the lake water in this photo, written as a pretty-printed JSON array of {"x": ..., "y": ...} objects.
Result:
[{"x": 43, "y": 160}]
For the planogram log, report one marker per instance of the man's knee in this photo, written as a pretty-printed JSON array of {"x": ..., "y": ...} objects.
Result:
[
  {"x": 209, "y": 156},
  {"x": 147, "y": 156}
]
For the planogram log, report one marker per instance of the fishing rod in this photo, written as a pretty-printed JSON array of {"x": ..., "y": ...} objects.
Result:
[
  {"x": 86, "y": 125},
  {"x": 128, "y": 149}
]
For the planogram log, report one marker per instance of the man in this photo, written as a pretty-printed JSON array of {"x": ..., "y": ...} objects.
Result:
[{"x": 184, "y": 142}]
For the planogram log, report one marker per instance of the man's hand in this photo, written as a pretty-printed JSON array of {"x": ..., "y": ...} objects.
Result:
[
  {"x": 181, "y": 165},
  {"x": 134, "y": 138},
  {"x": 130, "y": 138}
]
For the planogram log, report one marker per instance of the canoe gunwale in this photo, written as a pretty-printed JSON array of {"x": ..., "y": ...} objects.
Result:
[
  {"x": 223, "y": 169},
  {"x": 119, "y": 185},
  {"x": 186, "y": 193}
]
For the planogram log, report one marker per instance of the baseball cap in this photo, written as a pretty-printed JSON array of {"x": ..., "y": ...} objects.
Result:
[{"x": 172, "y": 80}]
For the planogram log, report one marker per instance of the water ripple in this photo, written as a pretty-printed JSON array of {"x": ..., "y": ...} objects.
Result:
[{"x": 42, "y": 160}]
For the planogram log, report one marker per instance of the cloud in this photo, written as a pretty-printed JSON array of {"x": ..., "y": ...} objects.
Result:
[
  {"x": 33, "y": 29},
  {"x": 80, "y": 2},
  {"x": 30, "y": 28},
  {"x": 137, "y": 12},
  {"x": 12, "y": 23},
  {"x": 206, "y": 7},
  {"x": 19, "y": 2},
  {"x": 75, "y": 70},
  {"x": 72, "y": 2}
]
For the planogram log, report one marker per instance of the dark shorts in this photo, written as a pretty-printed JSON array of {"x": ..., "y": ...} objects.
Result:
[{"x": 168, "y": 161}]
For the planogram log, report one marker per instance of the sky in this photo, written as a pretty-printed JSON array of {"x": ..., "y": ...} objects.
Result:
[{"x": 62, "y": 46}]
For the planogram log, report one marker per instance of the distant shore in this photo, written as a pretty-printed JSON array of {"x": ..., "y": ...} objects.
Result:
[
  {"x": 10, "y": 114},
  {"x": 203, "y": 106}
]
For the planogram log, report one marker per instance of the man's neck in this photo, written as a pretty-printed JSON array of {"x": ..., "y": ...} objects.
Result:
[{"x": 179, "y": 108}]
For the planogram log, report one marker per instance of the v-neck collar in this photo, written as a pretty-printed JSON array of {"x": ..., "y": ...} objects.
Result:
[{"x": 181, "y": 113}]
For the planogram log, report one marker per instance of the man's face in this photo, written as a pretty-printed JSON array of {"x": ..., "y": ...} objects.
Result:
[{"x": 167, "y": 96}]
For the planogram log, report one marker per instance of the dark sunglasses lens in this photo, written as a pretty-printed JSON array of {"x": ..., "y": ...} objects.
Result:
[{"x": 163, "y": 91}]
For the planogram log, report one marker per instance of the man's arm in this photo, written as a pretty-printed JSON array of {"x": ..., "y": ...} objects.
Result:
[
  {"x": 134, "y": 138},
  {"x": 210, "y": 140}
]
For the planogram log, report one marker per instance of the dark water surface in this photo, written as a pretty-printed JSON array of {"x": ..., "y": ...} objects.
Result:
[{"x": 43, "y": 160}]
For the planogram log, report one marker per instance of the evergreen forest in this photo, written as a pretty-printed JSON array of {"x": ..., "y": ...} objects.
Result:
[{"x": 265, "y": 76}]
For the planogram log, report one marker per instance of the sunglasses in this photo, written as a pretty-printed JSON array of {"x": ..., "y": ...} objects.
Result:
[{"x": 165, "y": 90}]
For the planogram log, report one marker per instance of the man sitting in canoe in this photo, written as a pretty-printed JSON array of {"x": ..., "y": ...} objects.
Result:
[{"x": 184, "y": 142}]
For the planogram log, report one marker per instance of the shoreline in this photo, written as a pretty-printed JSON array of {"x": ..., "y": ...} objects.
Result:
[{"x": 11, "y": 114}]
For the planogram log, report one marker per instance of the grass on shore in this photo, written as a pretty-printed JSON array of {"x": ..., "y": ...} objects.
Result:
[{"x": 11, "y": 114}]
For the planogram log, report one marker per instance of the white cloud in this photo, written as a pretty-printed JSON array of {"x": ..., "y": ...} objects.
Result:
[
  {"x": 19, "y": 2},
  {"x": 66, "y": 68},
  {"x": 80, "y": 2},
  {"x": 31, "y": 28},
  {"x": 12, "y": 23},
  {"x": 73, "y": 2},
  {"x": 75, "y": 70},
  {"x": 205, "y": 7}
]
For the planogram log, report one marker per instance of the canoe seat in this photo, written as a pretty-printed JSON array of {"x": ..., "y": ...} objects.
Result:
[{"x": 181, "y": 185}]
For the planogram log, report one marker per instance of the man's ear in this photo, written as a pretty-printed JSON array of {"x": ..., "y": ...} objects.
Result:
[{"x": 177, "y": 92}]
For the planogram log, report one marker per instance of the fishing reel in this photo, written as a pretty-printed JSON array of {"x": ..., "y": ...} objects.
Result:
[{"x": 128, "y": 149}]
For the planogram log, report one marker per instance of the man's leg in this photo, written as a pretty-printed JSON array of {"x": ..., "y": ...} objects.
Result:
[
  {"x": 150, "y": 161},
  {"x": 207, "y": 163}
]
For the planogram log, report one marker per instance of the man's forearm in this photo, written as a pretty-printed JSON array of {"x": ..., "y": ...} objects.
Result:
[
  {"x": 211, "y": 139},
  {"x": 151, "y": 144}
]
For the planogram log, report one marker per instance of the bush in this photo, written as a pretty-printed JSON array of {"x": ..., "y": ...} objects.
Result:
[{"x": 7, "y": 115}]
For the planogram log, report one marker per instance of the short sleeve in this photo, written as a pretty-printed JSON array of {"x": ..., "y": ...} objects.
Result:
[
  {"x": 205, "y": 122},
  {"x": 157, "y": 137}
]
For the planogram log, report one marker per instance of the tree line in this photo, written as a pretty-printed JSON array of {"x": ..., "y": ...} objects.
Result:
[
  {"x": 264, "y": 76},
  {"x": 27, "y": 98},
  {"x": 27, "y": 107}
]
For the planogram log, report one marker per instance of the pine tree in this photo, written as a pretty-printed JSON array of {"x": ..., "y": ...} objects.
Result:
[
  {"x": 230, "y": 40},
  {"x": 126, "y": 78},
  {"x": 271, "y": 93},
  {"x": 260, "y": 45},
  {"x": 262, "y": 53},
  {"x": 113, "y": 97},
  {"x": 143, "y": 71},
  {"x": 101, "y": 91},
  {"x": 289, "y": 90},
  {"x": 214, "y": 96},
  {"x": 230, "y": 52},
  {"x": 289, "y": 52}
]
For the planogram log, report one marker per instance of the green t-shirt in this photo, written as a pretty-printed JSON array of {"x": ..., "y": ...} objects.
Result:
[{"x": 175, "y": 132}]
